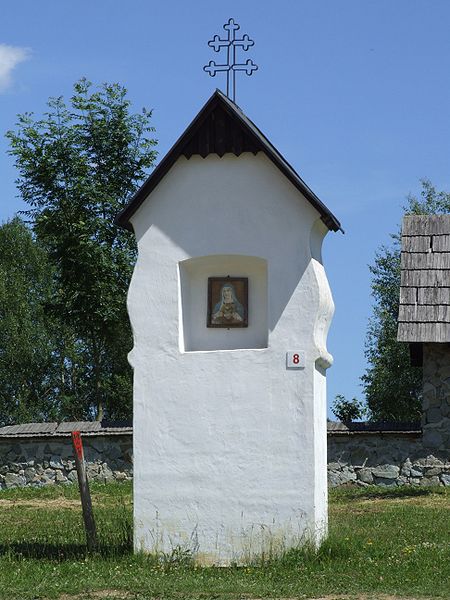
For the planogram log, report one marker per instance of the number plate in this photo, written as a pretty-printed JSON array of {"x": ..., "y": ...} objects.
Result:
[{"x": 294, "y": 360}]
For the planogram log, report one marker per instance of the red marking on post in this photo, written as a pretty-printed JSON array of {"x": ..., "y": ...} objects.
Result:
[{"x": 78, "y": 444}]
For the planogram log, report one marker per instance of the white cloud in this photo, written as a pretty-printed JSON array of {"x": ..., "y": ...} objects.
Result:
[{"x": 10, "y": 57}]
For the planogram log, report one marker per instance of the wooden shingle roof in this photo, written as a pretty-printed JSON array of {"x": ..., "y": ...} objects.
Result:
[
  {"x": 93, "y": 428},
  {"x": 368, "y": 427},
  {"x": 424, "y": 313},
  {"x": 219, "y": 128},
  {"x": 104, "y": 428}
]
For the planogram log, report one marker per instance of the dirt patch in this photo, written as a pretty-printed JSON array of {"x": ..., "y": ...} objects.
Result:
[
  {"x": 353, "y": 597},
  {"x": 57, "y": 503},
  {"x": 100, "y": 595},
  {"x": 378, "y": 504},
  {"x": 360, "y": 508},
  {"x": 367, "y": 597},
  {"x": 37, "y": 503},
  {"x": 428, "y": 501}
]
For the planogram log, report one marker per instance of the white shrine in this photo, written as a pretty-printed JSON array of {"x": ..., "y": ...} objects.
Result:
[{"x": 230, "y": 309}]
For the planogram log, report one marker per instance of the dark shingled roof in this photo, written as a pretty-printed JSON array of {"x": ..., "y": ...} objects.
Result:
[
  {"x": 338, "y": 428},
  {"x": 222, "y": 127},
  {"x": 424, "y": 313},
  {"x": 96, "y": 428}
]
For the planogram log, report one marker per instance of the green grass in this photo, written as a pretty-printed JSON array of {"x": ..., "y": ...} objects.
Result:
[{"x": 381, "y": 541}]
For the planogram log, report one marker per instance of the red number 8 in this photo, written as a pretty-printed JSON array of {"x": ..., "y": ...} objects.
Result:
[{"x": 296, "y": 359}]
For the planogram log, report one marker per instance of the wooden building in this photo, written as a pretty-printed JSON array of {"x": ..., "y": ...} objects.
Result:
[{"x": 424, "y": 318}]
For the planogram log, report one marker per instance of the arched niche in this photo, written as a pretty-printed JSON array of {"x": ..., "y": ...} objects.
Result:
[{"x": 193, "y": 303}]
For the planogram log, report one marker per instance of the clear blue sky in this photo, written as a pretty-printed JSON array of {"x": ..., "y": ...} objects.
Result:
[{"x": 354, "y": 93}]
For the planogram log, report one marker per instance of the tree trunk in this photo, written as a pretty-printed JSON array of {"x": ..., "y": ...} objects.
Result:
[
  {"x": 98, "y": 391},
  {"x": 99, "y": 410}
]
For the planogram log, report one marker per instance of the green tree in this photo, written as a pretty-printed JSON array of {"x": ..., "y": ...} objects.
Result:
[
  {"x": 28, "y": 364},
  {"x": 348, "y": 410},
  {"x": 77, "y": 168},
  {"x": 392, "y": 387}
]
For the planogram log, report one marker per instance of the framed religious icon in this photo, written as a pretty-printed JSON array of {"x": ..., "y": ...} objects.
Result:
[{"x": 227, "y": 302}]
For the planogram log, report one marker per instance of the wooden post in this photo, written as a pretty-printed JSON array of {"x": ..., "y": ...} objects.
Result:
[{"x": 88, "y": 515}]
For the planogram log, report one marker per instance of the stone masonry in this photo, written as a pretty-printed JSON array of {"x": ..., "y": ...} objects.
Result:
[
  {"x": 436, "y": 399},
  {"x": 388, "y": 458},
  {"x": 45, "y": 461}
]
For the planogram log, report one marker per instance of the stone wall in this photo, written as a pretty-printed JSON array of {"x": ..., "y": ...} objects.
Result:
[
  {"x": 394, "y": 458},
  {"x": 436, "y": 398},
  {"x": 354, "y": 458},
  {"x": 44, "y": 461}
]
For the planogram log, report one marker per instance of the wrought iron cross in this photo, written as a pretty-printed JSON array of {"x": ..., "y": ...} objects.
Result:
[{"x": 232, "y": 66}]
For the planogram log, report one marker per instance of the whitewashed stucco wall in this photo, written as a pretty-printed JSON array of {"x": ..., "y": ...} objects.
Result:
[{"x": 229, "y": 445}]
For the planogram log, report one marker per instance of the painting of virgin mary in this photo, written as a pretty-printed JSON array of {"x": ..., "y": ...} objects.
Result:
[{"x": 227, "y": 302}]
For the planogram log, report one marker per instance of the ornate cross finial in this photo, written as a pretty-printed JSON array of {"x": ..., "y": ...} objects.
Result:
[{"x": 232, "y": 66}]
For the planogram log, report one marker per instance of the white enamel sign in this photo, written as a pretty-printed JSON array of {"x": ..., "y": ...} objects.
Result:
[{"x": 294, "y": 360}]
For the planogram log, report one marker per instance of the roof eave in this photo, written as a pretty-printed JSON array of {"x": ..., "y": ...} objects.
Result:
[{"x": 124, "y": 216}]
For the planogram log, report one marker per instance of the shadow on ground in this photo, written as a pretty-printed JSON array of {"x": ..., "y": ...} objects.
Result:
[
  {"x": 49, "y": 551},
  {"x": 375, "y": 493}
]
